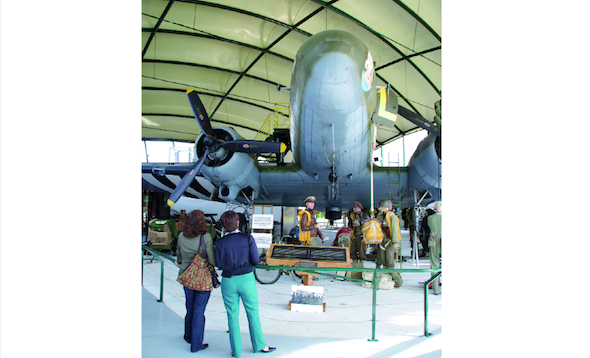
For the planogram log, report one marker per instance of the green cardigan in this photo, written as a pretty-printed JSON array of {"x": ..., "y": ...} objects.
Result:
[{"x": 187, "y": 249}]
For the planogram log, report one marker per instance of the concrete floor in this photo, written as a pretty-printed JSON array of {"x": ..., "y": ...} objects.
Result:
[{"x": 343, "y": 330}]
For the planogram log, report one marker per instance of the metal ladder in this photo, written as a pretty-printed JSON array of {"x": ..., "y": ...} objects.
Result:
[
  {"x": 275, "y": 120},
  {"x": 394, "y": 170}
]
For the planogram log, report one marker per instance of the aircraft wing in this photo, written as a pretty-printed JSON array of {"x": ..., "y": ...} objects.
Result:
[
  {"x": 164, "y": 177},
  {"x": 286, "y": 185}
]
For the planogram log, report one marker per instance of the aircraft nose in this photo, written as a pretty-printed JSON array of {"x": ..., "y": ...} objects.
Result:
[
  {"x": 339, "y": 46},
  {"x": 337, "y": 76}
]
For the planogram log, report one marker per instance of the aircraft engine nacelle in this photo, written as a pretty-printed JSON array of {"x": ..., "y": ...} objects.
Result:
[
  {"x": 229, "y": 171},
  {"x": 424, "y": 167}
]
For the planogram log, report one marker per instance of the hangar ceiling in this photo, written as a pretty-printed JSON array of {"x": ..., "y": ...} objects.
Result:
[{"x": 236, "y": 52}]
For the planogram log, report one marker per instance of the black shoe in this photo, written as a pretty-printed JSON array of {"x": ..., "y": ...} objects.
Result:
[
  {"x": 270, "y": 349},
  {"x": 205, "y": 345}
]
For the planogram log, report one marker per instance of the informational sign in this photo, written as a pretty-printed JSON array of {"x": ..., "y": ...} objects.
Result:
[
  {"x": 291, "y": 255},
  {"x": 311, "y": 253},
  {"x": 262, "y": 221},
  {"x": 307, "y": 298},
  {"x": 263, "y": 240}
]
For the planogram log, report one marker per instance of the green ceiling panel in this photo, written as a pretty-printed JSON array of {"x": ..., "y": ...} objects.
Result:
[{"x": 234, "y": 52}]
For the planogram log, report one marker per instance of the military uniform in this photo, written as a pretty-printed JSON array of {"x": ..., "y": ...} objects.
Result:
[
  {"x": 411, "y": 225},
  {"x": 358, "y": 249},
  {"x": 304, "y": 228},
  {"x": 343, "y": 240},
  {"x": 385, "y": 250},
  {"x": 435, "y": 225},
  {"x": 314, "y": 233}
]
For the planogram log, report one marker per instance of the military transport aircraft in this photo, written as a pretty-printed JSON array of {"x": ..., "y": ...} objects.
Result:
[{"x": 334, "y": 110}]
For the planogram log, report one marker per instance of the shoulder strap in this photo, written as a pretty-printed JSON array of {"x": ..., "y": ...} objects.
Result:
[
  {"x": 308, "y": 216},
  {"x": 202, "y": 244},
  {"x": 388, "y": 218}
]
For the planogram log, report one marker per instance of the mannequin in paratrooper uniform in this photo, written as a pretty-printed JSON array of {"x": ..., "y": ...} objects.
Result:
[
  {"x": 434, "y": 239},
  {"x": 313, "y": 227},
  {"x": 411, "y": 225},
  {"x": 391, "y": 239},
  {"x": 358, "y": 249}
]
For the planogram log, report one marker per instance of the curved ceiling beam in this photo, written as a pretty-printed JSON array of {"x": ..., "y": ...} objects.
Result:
[
  {"x": 165, "y": 139},
  {"x": 418, "y": 18},
  {"x": 244, "y": 12},
  {"x": 413, "y": 55},
  {"x": 379, "y": 36},
  {"x": 191, "y": 117},
  {"x": 155, "y": 29},
  {"x": 208, "y": 94},
  {"x": 399, "y": 135},
  {"x": 213, "y": 37},
  {"x": 191, "y": 64},
  {"x": 163, "y": 130},
  {"x": 264, "y": 52}
]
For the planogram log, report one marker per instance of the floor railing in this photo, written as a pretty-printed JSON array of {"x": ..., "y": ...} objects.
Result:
[
  {"x": 160, "y": 257},
  {"x": 376, "y": 271},
  {"x": 318, "y": 271}
]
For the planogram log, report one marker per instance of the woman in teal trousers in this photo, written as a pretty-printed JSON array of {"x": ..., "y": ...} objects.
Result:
[{"x": 236, "y": 254}]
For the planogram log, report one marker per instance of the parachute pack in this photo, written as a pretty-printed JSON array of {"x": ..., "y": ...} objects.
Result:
[
  {"x": 304, "y": 235},
  {"x": 343, "y": 237},
  {"x": 372, "y": 233}
]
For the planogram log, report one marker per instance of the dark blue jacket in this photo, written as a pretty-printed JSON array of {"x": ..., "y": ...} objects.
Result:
[{"x": 236, "y": 254}]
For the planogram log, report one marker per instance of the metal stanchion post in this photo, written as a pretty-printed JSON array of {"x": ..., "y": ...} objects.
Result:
[
  {"x": 161, "y": 281},
  {"x": 375, "y": 280},
  {"x": 435, "y": 277}
]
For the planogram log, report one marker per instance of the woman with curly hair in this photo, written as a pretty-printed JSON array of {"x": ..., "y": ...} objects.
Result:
[{"x": 189, "y": 241}]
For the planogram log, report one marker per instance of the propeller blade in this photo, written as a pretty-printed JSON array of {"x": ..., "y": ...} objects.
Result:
[
  {"x": 252, "y": 146},
  {"x": 418, "y": 120},
  {"x": 199, "y": 111},
  {"x": 187, "y": 179}
]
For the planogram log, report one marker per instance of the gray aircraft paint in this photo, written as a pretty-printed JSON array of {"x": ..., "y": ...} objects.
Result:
[{"x": 333, "y": 99}]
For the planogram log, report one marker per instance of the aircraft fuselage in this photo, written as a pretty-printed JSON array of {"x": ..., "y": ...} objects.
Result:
[
  {"x": 333, "y": 100},
  {"x": 330, "y": 107}
]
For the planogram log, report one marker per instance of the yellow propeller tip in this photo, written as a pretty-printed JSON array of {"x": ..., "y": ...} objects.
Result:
[
  {"x": 171, "y": 203},
  {"x": 189, "y": 90},
  {"x": 283, "y": 147}
]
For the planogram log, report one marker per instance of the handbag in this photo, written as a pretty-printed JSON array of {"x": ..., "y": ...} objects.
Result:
[
  {"x": 197, "y": 276},
  {"x": 214, "y": 276}
]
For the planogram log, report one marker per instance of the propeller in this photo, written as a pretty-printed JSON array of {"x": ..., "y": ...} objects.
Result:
[
  {"x": 418, "y": 120},
  {"x": 187, "y": 179},
  {"x": 250, "y": 146},
  {"x": 199, "y": 111},
  {"x": 213, "y": 144}
]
